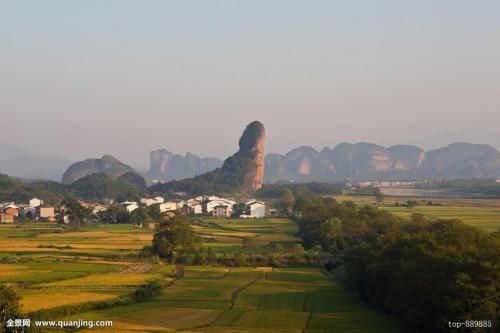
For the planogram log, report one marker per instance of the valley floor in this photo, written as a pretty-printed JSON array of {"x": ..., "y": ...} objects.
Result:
[{"x": 52, "y": 268}]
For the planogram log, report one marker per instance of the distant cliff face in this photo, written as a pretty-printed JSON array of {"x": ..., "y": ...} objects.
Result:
[
  {"x": 167, "y": 166},
  {"x": 107, "y": 165},
  {"x": 242, "y": 172},
  {"x": 369, "y": 161}
]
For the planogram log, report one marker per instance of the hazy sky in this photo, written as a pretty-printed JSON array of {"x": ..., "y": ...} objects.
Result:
[{"x": 83, "y": 78}]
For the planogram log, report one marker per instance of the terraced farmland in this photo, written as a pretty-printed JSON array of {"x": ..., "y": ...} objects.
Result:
[
  {"x": 250, "y": 300},
  {"x": 52, "y": 268},
  {"x": 480, "y": 213}
]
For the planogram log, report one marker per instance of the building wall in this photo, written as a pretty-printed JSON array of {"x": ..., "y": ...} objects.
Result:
[
  {"x": 6, "y": 218},
  {"x": 46, "y": 212},
  {"x": 257, "y": 210}
]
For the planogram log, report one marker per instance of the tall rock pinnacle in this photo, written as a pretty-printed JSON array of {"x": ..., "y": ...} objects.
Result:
[
  {"x": 252, "y": 143},
  {"x": 241, "y": 173}
]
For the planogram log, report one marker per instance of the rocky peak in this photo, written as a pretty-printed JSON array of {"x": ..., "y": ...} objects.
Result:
[
  {"x": 252, "y": 143},
  {"x": 107, "y": 165}
]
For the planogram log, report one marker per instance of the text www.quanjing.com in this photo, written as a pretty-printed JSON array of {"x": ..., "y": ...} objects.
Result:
[{"x": 73, "y": 323}]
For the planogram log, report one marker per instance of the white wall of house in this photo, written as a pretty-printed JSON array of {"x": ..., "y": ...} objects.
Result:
[
  {"x": 197, "y": 209},
  {"x": 257, "y": 209},
  {"x": 131, "y": 207},
  {"x": 168, "y": 206},
  {"x": 35, "y": 202}
]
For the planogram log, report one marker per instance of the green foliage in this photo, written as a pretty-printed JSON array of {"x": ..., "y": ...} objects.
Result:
[
  {"x": 275, "y": 191},
  {"x": 453, "y": 267},
  {"x": 15, "y": 190},
  {"x": 115, "y": 214},
  {"x": 9, "y": 306},
  {"x": 426, "y": 273},
  {"x": 173, "y": 234},
  {"x": 75, "y": 212},
  {"x": 148, "y": 290},
  {"x": 287, "y": 200},
  {"x": 100, "y": 186},
  {"x": 92, "y": 187}
]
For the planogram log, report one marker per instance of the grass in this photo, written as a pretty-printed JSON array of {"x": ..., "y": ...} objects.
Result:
[
  {"x": 480, "y": 213},
  {"x": 34, "y": 300},
  {"x": 57, "y": 268},
  {"x": 246, "y": 299},
  {"x": 106, "y": 279},
  {"x": 48, "y": 271}
]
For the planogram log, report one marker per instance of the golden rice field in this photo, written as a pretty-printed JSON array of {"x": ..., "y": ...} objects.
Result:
[
  {"x": 51, "y": 268},
  {"x": 34, "y": 300}
]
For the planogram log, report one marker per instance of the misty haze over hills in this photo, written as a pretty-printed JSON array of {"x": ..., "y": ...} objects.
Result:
[
  {"x": 360, "y": 161},
  {"x": 21, "y": 163}
]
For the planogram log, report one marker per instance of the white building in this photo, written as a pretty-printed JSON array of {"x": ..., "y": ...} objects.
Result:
[
  {"x": 98, "y": 208},
  {"x": 35, "y": 202},
  {"x": 256, "y": 209},
  {"x": 159, "y": 200},
  {"x": 222, "y": 211},
  {"x": 168, "y": 206},
  {"x": 147, "y": 201},
  {"x": 196, "y": 209},
  {"x": 130, "y": 205},
  {"x": 152, "y": 201}
]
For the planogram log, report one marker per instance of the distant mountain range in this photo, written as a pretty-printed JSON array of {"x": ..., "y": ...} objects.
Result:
[
  {"x": 360, "y": 161},
  {"x": 368, "y": 161},
  {"x": 167, "y": 166},
  {"x": 20, "y": 163}
]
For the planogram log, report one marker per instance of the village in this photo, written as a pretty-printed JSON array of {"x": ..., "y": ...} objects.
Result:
[{"x": 204, "y": 205}]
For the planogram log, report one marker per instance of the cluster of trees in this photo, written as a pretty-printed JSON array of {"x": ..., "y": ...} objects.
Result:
[
  {"x": 274, "y": 191},
  {"x": 119, "y": 214},
  {"x": 100, "y": 186},
  {"x": 426, "y": 272},
  {"x": 12, "y": 189},
  {"x": 10, "y": 307},
  {"x": 93, "y": 187}
]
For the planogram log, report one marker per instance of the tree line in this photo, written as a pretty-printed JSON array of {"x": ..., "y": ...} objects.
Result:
[{"x": 430, "y": 273}]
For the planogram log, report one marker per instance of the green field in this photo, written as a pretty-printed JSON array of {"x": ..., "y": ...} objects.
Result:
[
  {"x": 51, "y": 268},
  {"x": 251, "y": 299},
  {"x": 480, "y": 213}
]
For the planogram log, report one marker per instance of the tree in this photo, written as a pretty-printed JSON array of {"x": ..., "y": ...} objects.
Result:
[
  {"x": 115, "y": 214},
  {"x": 298, "y": 253},
  {"x": 379, "y": 197},
  {"x": 287, "y": 201},
  {"x": 173, "y": 234},
  {"x": 9, "y": 305},
  {"x": 139, "y": 215},
  {"x": 75, "y": 212}
]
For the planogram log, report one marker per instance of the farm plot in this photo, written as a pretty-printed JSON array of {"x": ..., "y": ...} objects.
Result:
[
  {"x": 480, "y": 213},
  {"x": 40, "y": 299},
  {"x": 211, "y": 299},
  {"x": 103, "y": 280},
  {"x": 47, "y": 271},
  {"x": 227, "y": 235}
]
